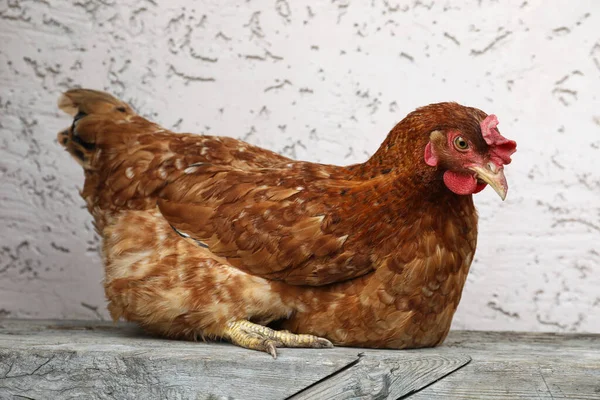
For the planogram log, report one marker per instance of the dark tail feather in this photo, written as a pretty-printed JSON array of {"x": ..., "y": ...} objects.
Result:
[
  {"x": 88, "y": 106},
  {"x": 89, "y": 101}
]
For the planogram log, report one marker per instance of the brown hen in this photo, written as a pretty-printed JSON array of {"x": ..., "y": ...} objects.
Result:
[{"x": 212, "y": 237}]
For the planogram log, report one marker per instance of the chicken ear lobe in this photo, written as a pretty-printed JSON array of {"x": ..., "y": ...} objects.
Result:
[{"x": 430, "y": 156}]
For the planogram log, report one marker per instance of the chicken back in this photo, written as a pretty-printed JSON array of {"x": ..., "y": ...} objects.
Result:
[{"x": 210, "y": 237}]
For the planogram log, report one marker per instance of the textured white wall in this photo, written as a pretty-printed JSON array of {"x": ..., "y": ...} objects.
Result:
[{"x": 322, "y": 82}]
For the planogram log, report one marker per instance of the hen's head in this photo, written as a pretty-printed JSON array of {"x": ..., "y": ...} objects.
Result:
[{"x": 466, "y": 147}]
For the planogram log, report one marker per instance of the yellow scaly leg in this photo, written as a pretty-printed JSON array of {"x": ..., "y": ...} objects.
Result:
[{"x": 257, "y": 337}]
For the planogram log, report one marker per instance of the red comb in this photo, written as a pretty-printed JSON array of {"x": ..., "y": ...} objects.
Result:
[{"x": 501, "y": 148}]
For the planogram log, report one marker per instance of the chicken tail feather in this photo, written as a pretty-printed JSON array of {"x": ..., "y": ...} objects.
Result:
[
  {"x": 89, "y": 109},
  {"x": 89, "y": 101}
]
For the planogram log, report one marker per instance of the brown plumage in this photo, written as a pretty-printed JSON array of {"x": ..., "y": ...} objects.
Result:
[{"x": 203, "y": 234}]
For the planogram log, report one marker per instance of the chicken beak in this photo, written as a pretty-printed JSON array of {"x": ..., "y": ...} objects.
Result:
[{"x": 493, "y": 176}]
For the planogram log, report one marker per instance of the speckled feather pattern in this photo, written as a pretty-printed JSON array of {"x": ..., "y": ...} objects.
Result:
[{"x": 199, "y": 231}]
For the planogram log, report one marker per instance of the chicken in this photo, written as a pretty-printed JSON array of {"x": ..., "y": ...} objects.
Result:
[{"x": 213, "y": 238}]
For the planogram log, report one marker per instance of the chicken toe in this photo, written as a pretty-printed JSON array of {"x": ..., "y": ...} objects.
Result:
[{"x": 257, "y": 337}]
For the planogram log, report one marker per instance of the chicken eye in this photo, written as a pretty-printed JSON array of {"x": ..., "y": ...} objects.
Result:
[{"x": 460, "y": 143}]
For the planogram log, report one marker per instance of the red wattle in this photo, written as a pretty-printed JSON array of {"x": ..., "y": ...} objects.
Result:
[
  {"x": 461, "y": 183},
  {"x": 480, "y": 187}
]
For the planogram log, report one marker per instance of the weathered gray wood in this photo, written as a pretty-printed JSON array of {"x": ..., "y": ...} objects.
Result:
[
  {"x": 45, "y": 359},
  {"x": 95, "y": 360},
  {"x": 512, "y": 365},
  {"x": 384, "y": 378}
]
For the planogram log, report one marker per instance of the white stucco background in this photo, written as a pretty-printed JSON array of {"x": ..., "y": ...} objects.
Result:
[{"x": 322, "y": 81}]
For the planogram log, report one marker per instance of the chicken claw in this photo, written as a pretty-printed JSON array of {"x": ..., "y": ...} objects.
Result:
[{"x": 257, "y": 337}]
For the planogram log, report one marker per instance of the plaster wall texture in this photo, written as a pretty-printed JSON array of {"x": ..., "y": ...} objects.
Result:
[{"x": 322, "y": 81}]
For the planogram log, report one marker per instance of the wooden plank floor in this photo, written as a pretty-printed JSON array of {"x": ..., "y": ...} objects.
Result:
[
  {"x": 508, "y": 365},
  {"x": 96, "y": 360}
]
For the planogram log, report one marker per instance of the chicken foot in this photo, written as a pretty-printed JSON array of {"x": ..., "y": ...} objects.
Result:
[{"x": 257, "y": 337}]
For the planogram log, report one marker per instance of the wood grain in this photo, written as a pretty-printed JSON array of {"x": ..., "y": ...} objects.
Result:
[
  {"x": 509, "y": 365},
  {"x": 388, "y": 378},
  {"x": 99, "y": 360},
  {"x": 95, "y": 360}
]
